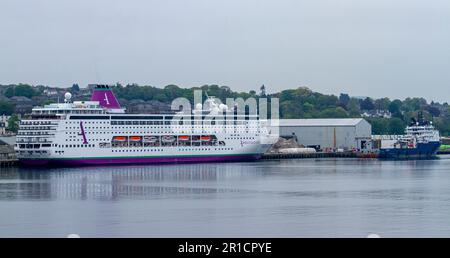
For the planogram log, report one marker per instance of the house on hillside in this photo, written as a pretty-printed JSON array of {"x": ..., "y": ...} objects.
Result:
[
  {"x": 50, "y": 92},
  {"x": 4, "y": 124},
  {"x": 377, "y": 113},
  {"x": 2, "y": 128},
  {"x": 147, "y": 107},
  {"x": 22, "y": 104}
]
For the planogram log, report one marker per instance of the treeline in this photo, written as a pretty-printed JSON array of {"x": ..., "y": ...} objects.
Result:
[
  {"x": 7, "y": 107},
  {"x": 386, "y": 116},
  {"x": 170, "y": 92}
]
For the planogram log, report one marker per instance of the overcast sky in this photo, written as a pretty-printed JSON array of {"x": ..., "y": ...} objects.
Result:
[{"x": 394, "y": 48}]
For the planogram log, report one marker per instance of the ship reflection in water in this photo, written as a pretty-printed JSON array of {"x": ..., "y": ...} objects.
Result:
[
  {"x": 116, "y": 182},
  {"x": 287, "y": 198}
]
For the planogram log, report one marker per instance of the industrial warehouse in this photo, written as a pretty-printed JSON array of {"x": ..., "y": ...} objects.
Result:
[{"x": 328, "y": 134}]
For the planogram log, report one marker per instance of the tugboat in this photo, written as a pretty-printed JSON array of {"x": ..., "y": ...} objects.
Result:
[{"x": 421, "y": 141}]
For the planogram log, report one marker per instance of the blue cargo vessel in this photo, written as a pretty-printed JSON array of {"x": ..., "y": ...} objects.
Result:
[{"x": 421, "y": 141}]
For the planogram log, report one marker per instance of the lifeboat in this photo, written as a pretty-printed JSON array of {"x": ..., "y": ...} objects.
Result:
[
  {"x": 205, "y": 138},
  {"x": 119, "y": 138},
  {"x": 151, "y": 139},
  {"x": 183, "y": 138},
  {"x": 168, "y": 138},
  {"x": 135, "y": 138}
]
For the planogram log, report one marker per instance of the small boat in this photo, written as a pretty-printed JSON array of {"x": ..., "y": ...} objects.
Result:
[
  {"x": 183, "y": 138},
  {"x": 135, "y": 138},
  {"x": 119, "y": 138},
  {"x": 151, "y": 139},
  {"x": 168, "y": 138},
  {"x": 205, "y": 138}
]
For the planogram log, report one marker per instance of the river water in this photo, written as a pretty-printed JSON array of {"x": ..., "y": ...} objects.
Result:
[{"x": 286, "y": 198}]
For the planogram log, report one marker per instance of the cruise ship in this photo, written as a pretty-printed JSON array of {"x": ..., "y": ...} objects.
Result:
[
  {"x": 100, "y": 132},
  {"x": 421, "y": 141}
]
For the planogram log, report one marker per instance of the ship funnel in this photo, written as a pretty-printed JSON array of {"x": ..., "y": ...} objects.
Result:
[{"x": 105, "y": 96}]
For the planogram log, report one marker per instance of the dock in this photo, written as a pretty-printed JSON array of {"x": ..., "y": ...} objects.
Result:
[
  {"x": 7, "y": 155},
  {"x": 310, "y": 155},
  {"x": 6, "y": 163}
]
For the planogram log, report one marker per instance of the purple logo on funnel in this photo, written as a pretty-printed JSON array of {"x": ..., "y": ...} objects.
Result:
[{"x": 105, "y": 97}]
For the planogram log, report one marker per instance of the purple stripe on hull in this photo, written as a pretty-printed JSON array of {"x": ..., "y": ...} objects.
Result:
[{"x": 133, "y": 161}]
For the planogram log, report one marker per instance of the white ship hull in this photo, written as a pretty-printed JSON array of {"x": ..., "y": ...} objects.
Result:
[{"x": 99, "y": 132}]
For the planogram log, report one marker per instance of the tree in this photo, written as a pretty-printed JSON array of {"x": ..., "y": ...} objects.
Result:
[
  {"x": 161, "y": 97},
  {"x": 307, "y": 107},
  {"x": 394, "y": 107},
  {"x": 337, "y": 112},
  {"x": 413, "y": 104},
  {"x": 173, "y": 91},
  {"x": 382, "y": 104},
  {"x": 379, "y": 125},
  {"x": 75, "y": 88},
  {"x": 326, "y": 101},
  {"x": 6, "y": 108},
  {"x": 433, "y": 110},
  {"x": 24, "y": 90},
  {"x": 13, "y": 123},
  {"x": 263, "y": 91},
  {"x": 344, "y": 99},
  {"x": 396, "y": 126},
  {"x": 367, "y": 104},
  {"x": 290, "y": 109},
  {"x": 353, "y": 108},
  {"x": 286, "y": 95}
]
